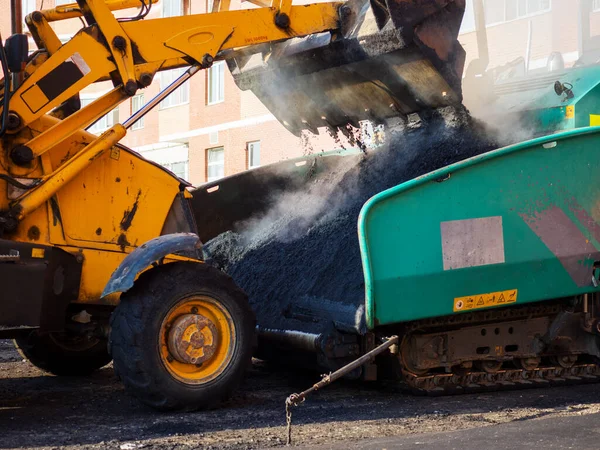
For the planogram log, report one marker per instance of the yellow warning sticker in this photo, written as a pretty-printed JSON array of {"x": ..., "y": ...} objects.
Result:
[
  {"x": 485, "y": 300},
  {"x": 594, "y": 120},
  {"x": 37, "y": 252},
  {"x": 570, "y": 112}
]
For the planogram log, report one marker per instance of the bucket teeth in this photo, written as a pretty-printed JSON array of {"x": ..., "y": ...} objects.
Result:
[{"x": 392, "y": 57}]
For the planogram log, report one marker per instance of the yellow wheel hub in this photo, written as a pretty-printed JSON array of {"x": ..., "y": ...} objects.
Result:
[{"x": 197, "y": 339}]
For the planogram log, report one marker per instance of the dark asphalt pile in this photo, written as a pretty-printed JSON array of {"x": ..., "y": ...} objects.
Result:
[{"x": 300, "y": 263}]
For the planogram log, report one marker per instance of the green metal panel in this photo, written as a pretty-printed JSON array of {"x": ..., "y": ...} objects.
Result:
[{"x": 543, "y": 194}]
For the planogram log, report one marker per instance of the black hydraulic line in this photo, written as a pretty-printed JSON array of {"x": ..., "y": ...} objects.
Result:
[
  {"x": 6, "y": 97},
  {"x": 15, "y": 183}
]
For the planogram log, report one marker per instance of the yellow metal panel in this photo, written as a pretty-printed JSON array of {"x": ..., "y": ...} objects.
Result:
[
  {"x": 94, "y": 60},
  {"x": 98, "y": 266},
  {"x": 34, "y": 198},
  {"x": 34, "y": 98},
  {"x": 122, "y": 202},
  {"x": 570, "y": 112},
  {"x": 252, "y": 26},
  {"x": 594, "y": 120},
  {"x": 71, "y": 10},
  {"x": 81, "y": 119}
]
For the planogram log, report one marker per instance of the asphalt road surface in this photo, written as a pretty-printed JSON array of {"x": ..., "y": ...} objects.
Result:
[
  {"x": 47, "y": 412},
  {"x": 580, "y": 432}
]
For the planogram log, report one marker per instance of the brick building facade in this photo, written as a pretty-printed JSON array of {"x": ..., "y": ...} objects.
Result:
[{"x": 208, "y": 128}]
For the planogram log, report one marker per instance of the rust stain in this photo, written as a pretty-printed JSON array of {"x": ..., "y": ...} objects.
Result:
[
  {"x": 56, "y": 217},
  {"x": 99, "y": 231},
  {"x": 123, "y": 242},
  {"x": 33, "y": 233},
  {"x": 65, "y": 159},
  {"x": 129, "y": 214}
]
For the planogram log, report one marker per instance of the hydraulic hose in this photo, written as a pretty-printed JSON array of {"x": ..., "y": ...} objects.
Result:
[{"x": 6, "y": 97}]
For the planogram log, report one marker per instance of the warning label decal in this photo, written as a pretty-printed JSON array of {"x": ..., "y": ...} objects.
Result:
[{"x": 485, "y": 300}]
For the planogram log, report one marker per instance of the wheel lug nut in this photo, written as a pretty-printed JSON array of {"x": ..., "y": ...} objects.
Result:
[{"x": 194, "y": 310}]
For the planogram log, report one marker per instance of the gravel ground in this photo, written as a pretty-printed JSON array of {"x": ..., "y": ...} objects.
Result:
[{"x": 38, "y": 410}]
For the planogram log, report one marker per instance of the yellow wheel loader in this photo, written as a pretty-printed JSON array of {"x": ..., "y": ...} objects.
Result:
[{"x": 99, "y": 253}]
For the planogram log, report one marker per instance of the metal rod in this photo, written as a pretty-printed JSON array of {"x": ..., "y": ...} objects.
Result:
[
  {"x": 296, "y": 399},
  {"x": 295, "y": 339},
  {"x": 585, "y": 303},
  {"x": 16, "y": 9},
  {"x": 16, "y": 16},
  {"x": 160, "y": 96},
  {"x": 328, "y": 379}
]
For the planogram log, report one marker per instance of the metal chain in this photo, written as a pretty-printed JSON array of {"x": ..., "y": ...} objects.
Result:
[{"x": 288, "y": 418}]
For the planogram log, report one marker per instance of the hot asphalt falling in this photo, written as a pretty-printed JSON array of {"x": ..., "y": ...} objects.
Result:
[{"x": 300, "y": 262}]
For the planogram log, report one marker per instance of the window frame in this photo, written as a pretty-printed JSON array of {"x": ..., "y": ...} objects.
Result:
[
  {"x": 181, "y": 8},
  {"x": 103, "y": 123},
  {"x": 185, "y": 87},
  {"x": 208, "y": 164},
  {"x": 209, "y": 72},
  {"x": 139, "y": 124},
  {"x": 169, "y": 166},
  {"x": 249, "y": 150},
  {"x": 25, "y": 10},
  {"x": 518, "y": 17}
]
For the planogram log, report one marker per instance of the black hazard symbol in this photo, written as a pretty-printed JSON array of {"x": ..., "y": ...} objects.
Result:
[
  {"x": 501, "y": 299},
  {"x": 480, "y": 302},
  {"x": 512, "y": 295}
]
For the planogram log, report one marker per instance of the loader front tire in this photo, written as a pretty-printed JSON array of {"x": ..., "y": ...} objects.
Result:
[
  {"x": 182, "y": 337},
  {"x": 63, "y": 354}
]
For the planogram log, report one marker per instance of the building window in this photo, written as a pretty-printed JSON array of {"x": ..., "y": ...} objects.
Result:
[
  {"x": 64, "y": 2},
  {"x": 180, "y": 95},
  {"x": 596, "y": 5},
  {"x": 137, "y": 101},
  {"x": 499, "y": 11},
  {"x": 253, "y": 154},
  {"x": 172, "y": 8},
  {"x": 178, "y": 168},
  {"x": 105, "y": 122},
  {"x": 216, "y": 83},
  {"x": 27, "y": 6},
  {"x": 215, "y": 163}
]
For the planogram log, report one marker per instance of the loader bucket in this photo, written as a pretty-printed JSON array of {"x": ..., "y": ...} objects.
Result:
[{"x": 391, "y": 58}]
